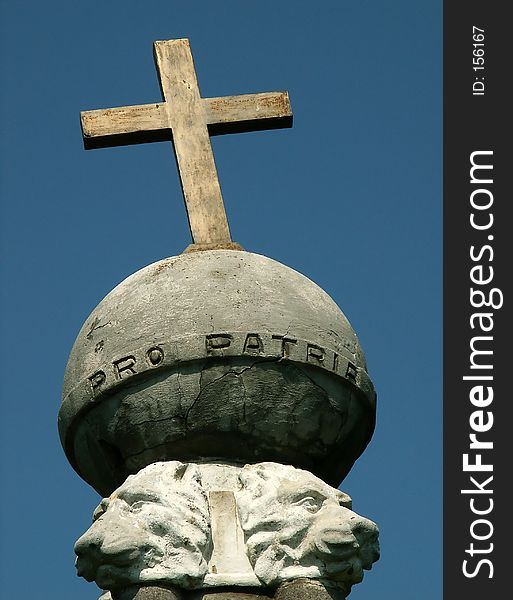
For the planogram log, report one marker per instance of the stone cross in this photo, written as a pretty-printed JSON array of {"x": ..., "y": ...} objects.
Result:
[{"x": 188, "y": 120}]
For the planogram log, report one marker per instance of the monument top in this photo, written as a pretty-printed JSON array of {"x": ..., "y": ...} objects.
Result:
[
  {"x": 218, "y": 355},
  {"x": 215, "y": 398},
  {"x": 188, "y": 120}
]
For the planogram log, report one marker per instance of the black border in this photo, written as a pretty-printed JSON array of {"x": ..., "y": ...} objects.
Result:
[{"x": 476, "y": 123}]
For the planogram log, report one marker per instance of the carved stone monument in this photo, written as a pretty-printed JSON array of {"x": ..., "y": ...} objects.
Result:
[{"x": 215, "y": 399}]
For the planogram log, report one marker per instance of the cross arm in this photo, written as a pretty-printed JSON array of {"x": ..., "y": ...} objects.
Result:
[
  {"x": 149, "y": 122},
  {"x": 247, "y": 112},
  {"x": 125, "y": 125}
]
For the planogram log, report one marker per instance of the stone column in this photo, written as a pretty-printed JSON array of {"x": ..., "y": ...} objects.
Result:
[
  {"x": 308, "y": 589},
  {"x": 147, "y": 593},
  {"x": 299, "y": 589},
  {"x": 229, "y": 594}
]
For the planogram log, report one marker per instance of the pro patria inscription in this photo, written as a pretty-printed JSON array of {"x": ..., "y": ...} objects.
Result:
[
  {"x": 265, "y": 346},
  {"x": 188, "y": 120}
]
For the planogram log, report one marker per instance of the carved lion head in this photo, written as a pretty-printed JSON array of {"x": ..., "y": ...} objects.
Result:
[
  {"x": 154, "y": 527},
  {"x": 298, "y": 526}
]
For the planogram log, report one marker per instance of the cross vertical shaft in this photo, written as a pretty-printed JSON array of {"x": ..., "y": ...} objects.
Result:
[{"x": 185, "y": 113}]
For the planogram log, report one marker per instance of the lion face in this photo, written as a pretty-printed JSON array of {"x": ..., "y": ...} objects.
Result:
[
  {"x": 154, "y": 527},
  {"x": 298, "y": 526}
]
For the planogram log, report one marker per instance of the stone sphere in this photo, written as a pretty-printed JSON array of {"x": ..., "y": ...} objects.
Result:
[{"x": 215, "y": 355}]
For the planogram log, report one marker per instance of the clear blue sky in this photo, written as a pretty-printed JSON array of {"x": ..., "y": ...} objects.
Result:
[{"x": 351, "y": 197}]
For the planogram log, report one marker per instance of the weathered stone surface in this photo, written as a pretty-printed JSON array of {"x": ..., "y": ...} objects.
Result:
[
  {"x": 229, "y": 558},
  {"x": 155, "y": 527},
  {"x": 296, "y": 527},
  {"x": 306, "y": 589},
  {"x": 214, "y": 525},
  {"x": 159, "y": 593},
  {"x": 147, "y": 593},
  {"x": 218, "y": 355},
  {"x": 229, "y": 594}
]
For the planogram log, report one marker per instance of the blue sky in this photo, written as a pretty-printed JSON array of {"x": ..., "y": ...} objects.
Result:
[{"x": 350, "y": 196}]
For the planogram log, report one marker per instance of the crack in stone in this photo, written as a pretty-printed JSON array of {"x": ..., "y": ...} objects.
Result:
[
  {"x": 232, "y": 371},
  {"x": 168, "y": 418},
  {"x": 237, "y": 372},
  {"x": 94, "y": 326},
  {"x": 180, "y": 389},
  {"x": 341, "y": 415},
  {"x": 243, "y": 420}
]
